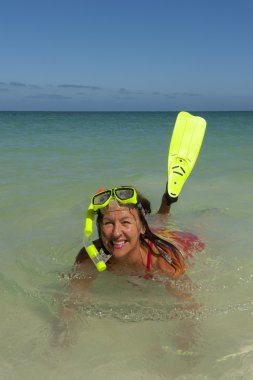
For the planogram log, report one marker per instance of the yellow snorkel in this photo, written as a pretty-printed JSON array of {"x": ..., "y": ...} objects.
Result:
[
  {"x": 91, "y": 249},
  {"x": 89, "y": 221}
]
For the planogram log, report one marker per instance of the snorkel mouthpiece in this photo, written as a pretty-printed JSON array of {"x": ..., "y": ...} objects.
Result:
[{"x": 95, "y": 257}]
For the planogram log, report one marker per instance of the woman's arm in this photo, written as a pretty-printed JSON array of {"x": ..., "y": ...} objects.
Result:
[
  {"x": 76, "y": 292},
  {"x": 84, "y": 271}
]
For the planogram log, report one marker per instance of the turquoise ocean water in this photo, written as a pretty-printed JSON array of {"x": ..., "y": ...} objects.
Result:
[{"x": 51, "y": 163}]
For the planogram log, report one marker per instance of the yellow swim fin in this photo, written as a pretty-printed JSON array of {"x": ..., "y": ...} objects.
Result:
[{"x": 186, "y": 141}]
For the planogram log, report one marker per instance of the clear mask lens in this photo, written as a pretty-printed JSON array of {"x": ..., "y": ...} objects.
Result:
[
  {"x": 100, "y": 199},
  {"x": 124, "y": 194}
]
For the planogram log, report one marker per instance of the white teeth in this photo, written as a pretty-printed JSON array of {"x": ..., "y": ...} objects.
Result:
[{"x": 118, "y": 244}]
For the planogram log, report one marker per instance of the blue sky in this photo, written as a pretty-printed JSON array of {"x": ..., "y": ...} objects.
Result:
[{"x": 126, "y": 55}]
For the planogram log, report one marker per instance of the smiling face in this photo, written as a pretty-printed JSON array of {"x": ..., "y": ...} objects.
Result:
[{"x": 120, "y": 232}]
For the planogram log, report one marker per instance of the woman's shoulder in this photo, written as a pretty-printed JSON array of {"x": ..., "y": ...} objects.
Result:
[{"x": 81, "y": 256}]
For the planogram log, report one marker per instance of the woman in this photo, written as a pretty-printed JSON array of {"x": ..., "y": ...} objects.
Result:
[
  {"x": 131, "y": 248},
  {"x": 128, "y": 241}
]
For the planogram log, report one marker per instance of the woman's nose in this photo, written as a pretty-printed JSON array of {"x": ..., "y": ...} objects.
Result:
[{"x": 116, "y": 230}]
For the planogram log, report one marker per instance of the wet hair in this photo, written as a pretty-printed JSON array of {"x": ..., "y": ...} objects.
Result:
[
  {"x": 167, "y": 250},
  {"x": 174, "y": 256}
]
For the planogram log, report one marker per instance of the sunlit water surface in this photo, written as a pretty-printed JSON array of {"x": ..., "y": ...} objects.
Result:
[{"x": 123, "y": 327}]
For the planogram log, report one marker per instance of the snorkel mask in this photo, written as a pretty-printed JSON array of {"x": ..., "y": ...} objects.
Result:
[{"x": 123, "y": 195}]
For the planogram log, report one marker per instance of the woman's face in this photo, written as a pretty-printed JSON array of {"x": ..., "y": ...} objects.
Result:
[{"x": 120, "y": 232}]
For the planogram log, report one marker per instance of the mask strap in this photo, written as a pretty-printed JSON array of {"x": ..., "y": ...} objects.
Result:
[{"x": 140, "y": 207}]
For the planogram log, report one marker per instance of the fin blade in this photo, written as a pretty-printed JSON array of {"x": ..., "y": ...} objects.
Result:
[{"x": 186, "y": 141}]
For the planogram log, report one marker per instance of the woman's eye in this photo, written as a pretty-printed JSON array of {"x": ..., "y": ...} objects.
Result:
[{"x": 107, "y": 223}]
